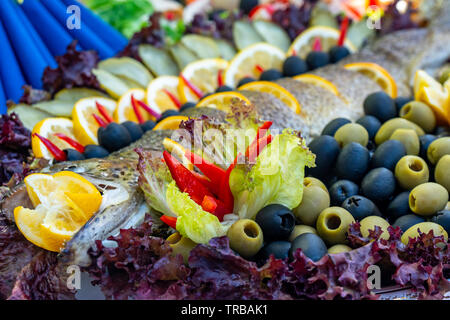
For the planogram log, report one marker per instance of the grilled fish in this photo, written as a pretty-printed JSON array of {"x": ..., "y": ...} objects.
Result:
[{"x": 401, "y": 53}]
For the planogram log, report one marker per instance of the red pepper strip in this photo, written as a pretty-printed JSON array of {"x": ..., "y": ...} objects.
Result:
[
  {"x": 259, "y": 68},
  {"x": 213, "y": 187},
  {"x": 215, "y": 207},
  {"x": 99, "y": 120},
  {"x": 77, "y": 146},
  {"x": 226, "y": 195},
  {"x": 213, "y": 172},
  {"x": 104, "y": 112},
  {"x": 172, "y": 98},
  {"x": 148, "y": 109},
  {"x": 344, "y": 27},
  {"x": 209, "y": 204},
  {"x": 56, "y": 152},
  {"x": 191, "y": 86},
  {"x": 136, "y": 110},
  {"x": 262, "y": 130},
  {"x": 185, "y": 180},
  {"x": 220, "y": 78},
  {"x": 255, "y": 150},
  {"x": 294, "y": 52},
  {"x": 317, "y": 45},
  {"x": 170, "y": 221}
]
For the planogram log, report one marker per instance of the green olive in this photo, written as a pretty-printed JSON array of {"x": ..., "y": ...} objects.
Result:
[
  {"x": 246, "y": 237},
  {"x": 332, "y": 225},
  {"x": 437, "y": 149},
  {"x": 314, "y": 200},
  {"x": 388, "y": 128},
  {"x": 301, "y": 229},
  {"x": 447, "y": 207},
  {"x": 444, "y": 75},
  {"x": 181, "y": 245},
  {"x": 424, "y": 227},
  {"x": 310, "y": 181},
  {"x": 411, "y": 171},
  {"x": 409, "y": 139},
  {"x": 420, "y": 114},
  {"x": 428, "y": 198},
  {"x": 370, "y": 222},
  {"x": 352, "y": 132},
  {"x": 339, "y": 248},
  {"x": 442, "y": 172}
]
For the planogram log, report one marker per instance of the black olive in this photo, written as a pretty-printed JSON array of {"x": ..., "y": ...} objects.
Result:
[
  {"x": 134, "y": 130},
  {"x": 168, "y": 113},
  {"x": 353, "y": 162},
  {"x": 360, "y": 207},
  {"x": 400, "y": 102},
  {"x": 326, "y": 150},
  {"x": 279, "y": 249},
  {"x": 245, "y": 81},
  {"x": 113, "y": 137},
  {"x": 425, "y": 142},
  {"x": 276, "y": 221},
  {"x": 333, "y": 126},
  {"x": 442, "y": 131},
  {"x": 247, "y": 5},
  {"x": 311, "y": 244},
  {"x": 406, "y": 222},
  {"x": 388, "y": 154},
  {"x": 371, "y": 124},
  {"x": 73, "y": 155},
  {"x": 187, "y": 105},
  {"x": 341, "y": 190},
  {"x": 95, "y": 151},
  {"x": 443, "y": 219},
  {"x": 317, "y": 59},
  {"x": 399, "y": 206},
  {"x": 378, "y": 185},
  {"x": 224, "y": 89},
  {"x": 294, "y": 66},
  {"x": 148, "y": 125},
  {"x": 380, "y": 105},
  {"x": 337, "y": 53},
  {"x": 270, "y": 75}
]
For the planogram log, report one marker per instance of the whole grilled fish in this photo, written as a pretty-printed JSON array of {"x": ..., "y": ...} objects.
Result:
[{"x": 401, "y": 53}]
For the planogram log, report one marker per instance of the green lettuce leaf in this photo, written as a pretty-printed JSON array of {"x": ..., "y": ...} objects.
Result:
[
  {"x": 276, "y": 177},
  {"x": 193, "y": 222}
]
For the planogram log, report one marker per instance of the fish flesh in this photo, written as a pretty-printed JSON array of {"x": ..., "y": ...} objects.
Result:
[{"x": 401, "y": 53}]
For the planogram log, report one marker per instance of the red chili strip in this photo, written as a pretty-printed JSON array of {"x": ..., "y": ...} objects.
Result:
[
  {"x": 255, "y": 150},
  {"x": 105, "y": 114},
  {"x": 220, "y": 78},
  {"x": 99, "y": 120},
  {"x": 172, "y": 98},
  {"x": 56, "y": 152},
  {"x": 317, "y": 45},
  {"x": 259, "y": 68},
  {"x": 170, "y": 221},
  {"x": 344, "y": 28},
  {"x": 77, "y": 146},
  {"x": 148, "y": 109},
  {"x": 136, "y": 110},
  {"x": 191, "y": 86},
  {"x": 214, "y": 173}
]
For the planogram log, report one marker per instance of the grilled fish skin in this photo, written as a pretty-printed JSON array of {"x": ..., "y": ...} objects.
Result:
[{"x": 401, "y": 53}]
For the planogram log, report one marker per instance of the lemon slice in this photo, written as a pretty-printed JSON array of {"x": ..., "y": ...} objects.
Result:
[
  {"x": 170, "y": 123},
  {"x": 203, "y": 74},
  {"x": 245, "y": 63},
  {"x": 221, "y": 101},
  {"x": 157, "y": 96},
  {"x": 84, "y": 125},
  {"x": 47, "y": 128},
  {"x": 278, "y": 91},
  {"x": 329, "y": 37},
  {"x": 423, "y": 79},
  {"x": 377, "y": 74},
  {"x": 318, "y": 81},
  {"x": 124, "y": 110}
]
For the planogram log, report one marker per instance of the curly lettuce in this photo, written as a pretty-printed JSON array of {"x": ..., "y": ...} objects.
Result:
[{"x": 276, "y": 177}]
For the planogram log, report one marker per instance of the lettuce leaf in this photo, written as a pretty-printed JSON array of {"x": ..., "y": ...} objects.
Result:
[
  {"x": 277, "y": 176},
  {"x": 193, "y": 222}
]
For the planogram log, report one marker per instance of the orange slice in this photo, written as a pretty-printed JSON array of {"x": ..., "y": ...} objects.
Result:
[
  {"x": 170, "y": 123},
  {"x": 377, "y": 74},
  {"x": 278, "y": 91},
  {"x": 222, "y": 100}
]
